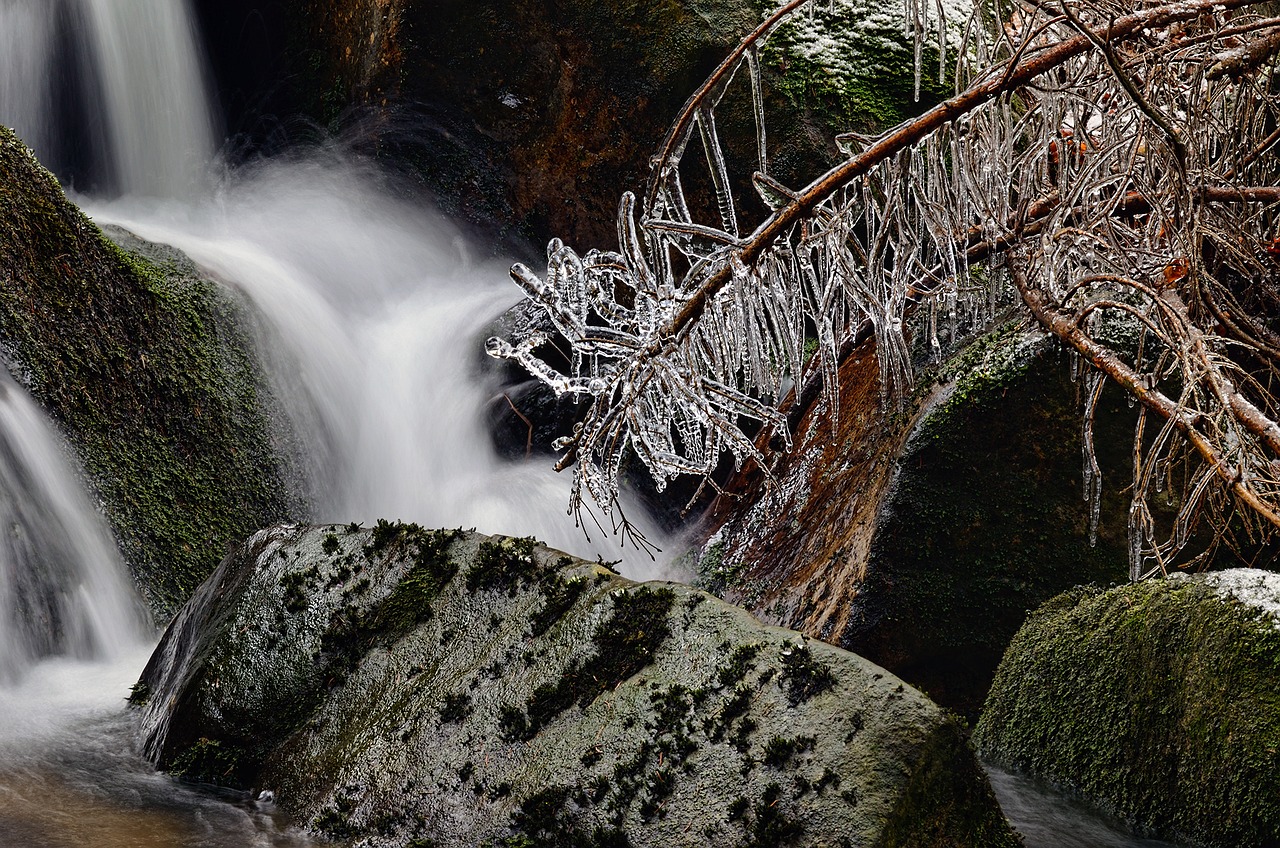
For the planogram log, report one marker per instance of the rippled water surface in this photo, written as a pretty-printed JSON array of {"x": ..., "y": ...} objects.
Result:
[{"x": 70, "y": 775}]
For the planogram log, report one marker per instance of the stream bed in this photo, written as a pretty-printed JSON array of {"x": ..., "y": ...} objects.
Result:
[{"x": 71, "y": 775}]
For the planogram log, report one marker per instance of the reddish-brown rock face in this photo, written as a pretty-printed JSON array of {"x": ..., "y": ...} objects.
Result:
[{"x": 920, "y": 539}]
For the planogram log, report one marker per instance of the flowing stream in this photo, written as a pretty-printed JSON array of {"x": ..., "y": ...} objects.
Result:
[{"x": 372, "y": 309}]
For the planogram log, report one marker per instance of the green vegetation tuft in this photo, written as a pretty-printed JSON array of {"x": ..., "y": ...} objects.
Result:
[
  {"x": 805, "y": 677},
  {"x": 411, "y": 601},
  {"x": 506, "y": 565},
  {"x": 209, "y": 761}
]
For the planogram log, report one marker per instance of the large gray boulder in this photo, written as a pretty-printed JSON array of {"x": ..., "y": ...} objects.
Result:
[
  {"x": 398, "y": 686},
  {"x": 1158, "y": 702}
]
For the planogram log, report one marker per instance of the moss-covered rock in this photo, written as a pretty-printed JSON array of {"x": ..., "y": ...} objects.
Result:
[
  {"x": 921, "y": 538},
  {"x": 1159, "y": 702},
  {"x": 148, "y": 370},
  {"x": 397, "y": 686}
]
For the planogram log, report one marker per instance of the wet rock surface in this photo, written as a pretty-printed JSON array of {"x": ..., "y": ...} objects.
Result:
[
  {"x": 149, "y": 370},
  {"x": 399, "y": 686},
  {"x": 921, "y": 538}
]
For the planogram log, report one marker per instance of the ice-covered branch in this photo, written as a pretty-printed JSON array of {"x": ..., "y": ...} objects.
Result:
[{"x": 1126, "y": 156}]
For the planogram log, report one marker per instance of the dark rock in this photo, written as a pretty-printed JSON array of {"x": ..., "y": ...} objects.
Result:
[
  {"x": 538, "y": 116},
  {"x": 920, "y": 539},
  {"x": 398, "y": 684}
]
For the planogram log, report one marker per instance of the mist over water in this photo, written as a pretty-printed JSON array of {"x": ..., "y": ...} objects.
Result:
[{"x": 376, "y": 316}]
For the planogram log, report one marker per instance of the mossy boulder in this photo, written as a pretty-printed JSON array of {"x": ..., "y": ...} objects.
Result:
[
  {"x": 1158, "y": 702},
  {"x": 398, "y": 686},
  {"x": 149, "y": 371},
  {"x": 920, "y": 538}
]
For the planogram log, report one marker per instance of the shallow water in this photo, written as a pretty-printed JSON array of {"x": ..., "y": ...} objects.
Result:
[
  {"x": 1048, "y": 819},
  {"x": 71, "y": 776}
]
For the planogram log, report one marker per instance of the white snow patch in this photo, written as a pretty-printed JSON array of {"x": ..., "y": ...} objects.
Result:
[{"x": 1249, "y": 586}]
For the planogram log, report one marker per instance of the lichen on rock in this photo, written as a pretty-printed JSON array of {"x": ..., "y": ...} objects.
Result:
[
  {"x": 395, "y": 684},
  {"x": 1158, "y": 702}
]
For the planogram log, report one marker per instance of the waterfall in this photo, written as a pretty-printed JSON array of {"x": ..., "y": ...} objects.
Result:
[
  {"x": 377, "y": 315},
  {"x": 63, "y": 589},
  {"x": 27, "y": 53},
  {"x": 157, "y": 108},
  {"x": 111, "y": 89}
]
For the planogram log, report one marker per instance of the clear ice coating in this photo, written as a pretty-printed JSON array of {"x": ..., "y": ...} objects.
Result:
[{"x": 721, "y": 305}]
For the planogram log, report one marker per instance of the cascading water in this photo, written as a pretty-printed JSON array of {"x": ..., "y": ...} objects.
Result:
[
  {"x": 63, "y": 589},
  {"x": 157, "y": 113},
  {"x": 112, "y": 91},
  {"x": 373, "y": 311},
  {"x": 27, "y": 52},
  {"x": 377, "y": 313}
]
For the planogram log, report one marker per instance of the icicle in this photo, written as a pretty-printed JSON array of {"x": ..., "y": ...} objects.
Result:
[
  {"x": 719, "y": 171},
  {"x": 1092, "y": 474},
  {"x": 917, "y": 33},
  {"x": 757, "y": 99}
]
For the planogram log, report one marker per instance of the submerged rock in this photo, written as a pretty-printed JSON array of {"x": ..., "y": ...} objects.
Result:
[
  {"x": 149, "y": 371},
  {"x": 398, "y": 686},
  {"x": 1158, "y": 701}
]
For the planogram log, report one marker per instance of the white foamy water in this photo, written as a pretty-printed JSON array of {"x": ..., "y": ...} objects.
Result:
[
  {"x": 63, "y": 588},
  {"x": 377, "y": 317}
]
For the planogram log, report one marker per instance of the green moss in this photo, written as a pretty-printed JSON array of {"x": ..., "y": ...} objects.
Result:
[
  {"x": 805, "y": 677},
  {"x": 561, "y": 595},
  {"x": 1158, "y": 701},
  {"x": 624, "y": 645},
  {"x": 149, "y": 371},
  {"x": 737, "y": 665},
  {"x": 411, "y": 601},
  {"x": 779, "y": 751},
  {"x": 548, "y": 819},
  {"x": 506, "y": 565},
  {"x": 456, "y": 708},
  {"x": 986, "y": 518},
  {"x": 210, "y": 761},
  {"x": 768, "y": 825},
  {"x": 139, "y": 695}
]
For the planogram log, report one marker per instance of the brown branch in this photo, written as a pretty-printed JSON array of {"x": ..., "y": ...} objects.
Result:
[
  {"x": 528, "y": 442},
  {"x": 913, "y": 131},
  {"x": 1062, "y": 324}
]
